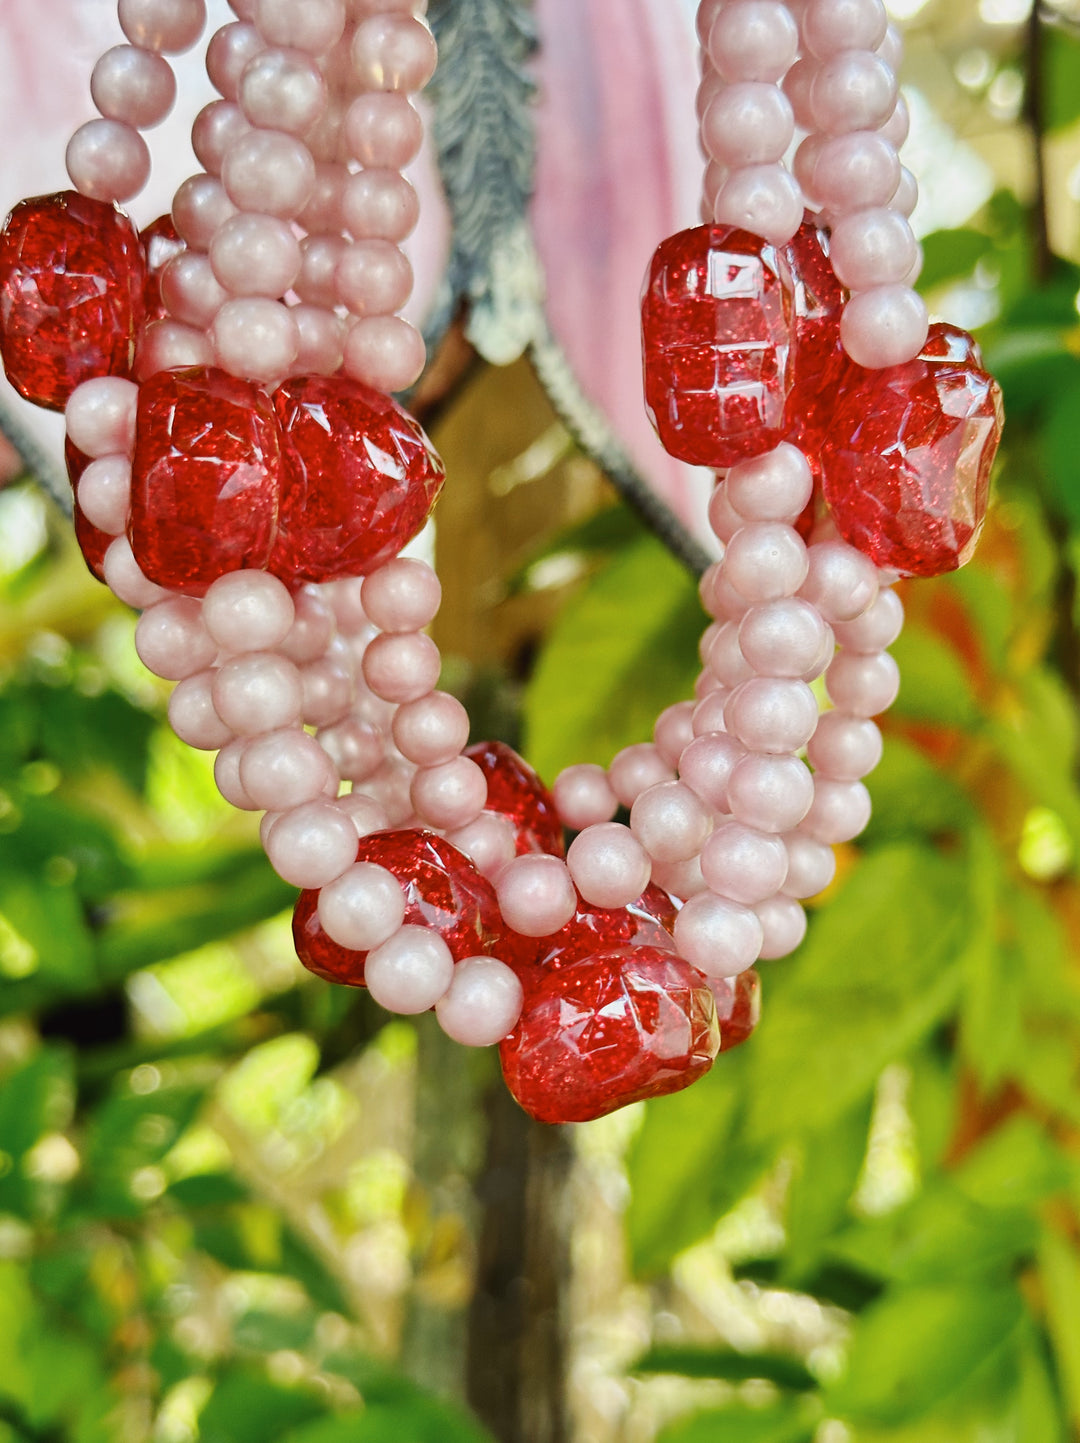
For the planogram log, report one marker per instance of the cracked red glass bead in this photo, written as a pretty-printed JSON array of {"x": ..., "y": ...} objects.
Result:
[
  {"x": 648, "y": 922},
  {"x": 611, "y": 1029},
  {"x": 738, "y": 1006},
  {"x": 318, "y": 952},
  {"x": 93, "y": 542},
  {"x": 715, "y": 328},
  {"x": 205, "y": 478},
  {"x": 72, "y": 289},
  {"x": 817, "y": 304},
  {"x": 360, "y": 479},
  {"x": 160, "y": 243},
  {"x": 906, "y": 464},
  {"x": 517, "y": 793}
]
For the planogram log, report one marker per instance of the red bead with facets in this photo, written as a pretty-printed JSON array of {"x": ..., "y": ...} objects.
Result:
[
  {"x": 715, "y": 328},
  {"x": 738, "y": 1006},
  {"x": 908, "y": 457},
  {"x": 93, "y": 543},
  {"x": 205, "y": 478},
  {"x": 817, "y": 304},
  {"x": 160, "y": 243},
  {"x": 517, "y": 793},
  {"x": 360, "y": 479},
  {"x": 72, "y": 288},
  {"x": 648, "y": 922},
  {"x": 317, "y": 951},
  {"x": 613, "y": 1028}
]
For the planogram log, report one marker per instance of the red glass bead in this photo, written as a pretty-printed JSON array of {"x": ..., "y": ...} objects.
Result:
[
  {"x": 72, "y": 286},
  {"x": 517, "y": 793},
  {"x": 205, "y": 478},
  {"x": 648, "y": 922},
  {"x": 738, "y": 1006},
  {"x": 608, "y": 1030},
  {"x": 908, "y": 457},
  {"x": 360, "y": 479},
  {"x": 160, "y": 243},
  {"x": 816, "y": 350},
  {"x": 92, "y": 543},
  {"x": 715, "y": 317},
  {"x": 318, "y": 952}
]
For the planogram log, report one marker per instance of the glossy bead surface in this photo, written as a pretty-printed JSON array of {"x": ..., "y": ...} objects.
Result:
[
  {"x": 648, "y": 921},
  {"x": 517, "y": 793},
  {"x": 738, "y": 1006}
]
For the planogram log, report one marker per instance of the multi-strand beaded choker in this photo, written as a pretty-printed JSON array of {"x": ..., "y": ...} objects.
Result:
[{"x": 243, "y": 476}]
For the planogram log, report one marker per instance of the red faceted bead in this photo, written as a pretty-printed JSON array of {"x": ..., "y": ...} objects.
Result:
[
  {"x": 715, "y": 327},
  {"x": 608, "y": 1030},
  {"x": 318, "y": 952},
  {"x": 72, "y": 288},
  {"x": 205, "y": 478},
  {"x": 517, "y": 793},
  {"x": 648, "y": 922},
  {"x": 738, "y": 1006},
  {"x": 908, "y": 456},
  {"x": 816, "y": 350},
  {"x": 93, "y": 543},
  {"x": 360, "y": 479},
  {"x": 160, "y": 243}
]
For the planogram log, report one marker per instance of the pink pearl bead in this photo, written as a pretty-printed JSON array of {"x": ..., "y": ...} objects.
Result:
[
  {"x": 608, "y": 865},
  {"x": 670, "y": 821},
  {"x": 726, "y": 661},
  {"x": 172, "y": 641},
  {"x": 710, "y": 87},
  {"x": 844, "y": 747},
  {"x": 258, "y": 692},
  {"x": 312, "y": 844},
  {"x": 216, "y": 128},
  {"x": 863, "y": 685},
  {"x": 785, "y": 637},
  {"x": 805, "y": 163},
  {"x": 709, "y": 712},
  {"x": 705, "y": 685},
  {"x": 490, "y": 842},
  {"x": 192, "y": 715},
  {"x": 104, "y": 493},
  {"x": 384, "y": 352},
  {"x": 583, "y": 796},
  {"x": 723, "y": 517},
  {"x": 402, "y": 667},
  {"x": 255, "y": 337},
  {"x": 840, "y": 811},
  {"x": 431, "y": 730},
  {"x": 783, "y": 927},
  {"x": 775, "y": 486},
  {"x": 797, "y": 85},
  {"x": 679, "y": 879},
  {"x": 635, "y": 768},
  {"x": 107, "y": 160},
  {"x": 708, "y": 639},
  {"x": 346, "y": 598},
  {"x": 536, "y": 896},
  {"x": 715, "y": 179},
  {"x": 315, "y": 26},
  {"x": 403, "y": 595},
  {"x": 719, "y": 937},
  {"x": 753, "y": 40},
  {"x": 322, "y": 212},
  {"x": 674, "y": 731},
  {"x": 321, "y": 341},
  {"x": 328, "y": 691},
  {"x": 873, "y": 247},
  {"x": 355, "y": 747},
  {"x": 373, "y": 278},
  {"x": 766, "y": 560},
  {"x": 227, "y": 56},
  {"x": 707, "y": 11},
  {"x": 320, "y": 255},
  {"x": 811, "y": 865},
  {"x": 100, "y": 416},
  {"x": 125, "y": 579},
  {"x": 227, "y": 776},
  {"x": 365, "y": 814},
  {"x": 133, "y": 85},
  {"x": 284, "y": 769},
  {"x": 190, "y": 291},
  {"x": 483, "y": 1003},
  {"x": 897, "y": 127},
  {"x": 764, "y": 199},
  {"x": 282, "y": 90},
  {"x": 392, "y": 52},
  {"x": 390, "y": 786},
  {"x": 885, "y": 326},
  {"x": 706, "y": 767},
  {"x": 744, "y": 864},
  {"x": 169, "y": 346},
  {"x": 891, "y": 48},
  {"x": 853, "y": 90},
  {"x": 906, "y": 195},
  {"x": 855, "y": 170},
  {"x": 832, "y": 25},
  {"x": 200, "y": 206},
  {"x": 772, "y": 714},
  {"x": 380, "y": 205},
  {"x": 841, "y": 582},
  {"x": 167, "y": 27},
  {"x": 255, "y": 255},
  {"x": 772, "y": 793},
  {"x": 748, "y": 124},
  {"x": 363, "y": 907},
  {"x": 311, "y": 629},
  {"x": 449, "y": 795},
  {"x": 877, "y": 628},
  {"x": 269, "y": 171},
  {"x": 411, "y": 972},
  {"x": 707, "y": 588},
  {"x": 383, "y": 130}
]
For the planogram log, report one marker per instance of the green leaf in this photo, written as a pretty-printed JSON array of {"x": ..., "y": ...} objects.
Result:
[
  {"x": 788, "y": 1423},
  {"x": 1018, "y": 1165},
  {"x": 621, "y": 650},
  {"x": 81, "y": 733},
  {"x": 912, "y": 798},
  {"x": 1059, "y": 1272},
  {"x": 247, "y": 1408},
  {"x": 1059, "y": 450},
  {"x": 1032, "y": 362},
  {"x": 934, "y": 684},
  {"x": 416, "y": 1419},
  {"x": 823, "y": 1181},
  {"x": 1061, "y": 77},
  {"x": 43, "y": 933},
  {"x": 917, "y": 1346},
  {"x": 264, "y": 1332},
  {"x": 780, "y": 1369},
  {"x": 877, "y": 971},
  {"x": 950, "y": 255},
  {"x": 34, "y": 1100},
  {"x": 1038, "y": 1409},
  {"x": 130, "y": 1132},
  {"x": 207, "y": 1190}
]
